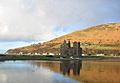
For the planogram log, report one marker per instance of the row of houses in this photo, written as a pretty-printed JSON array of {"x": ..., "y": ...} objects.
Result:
[{"x": 36, "y": 53}]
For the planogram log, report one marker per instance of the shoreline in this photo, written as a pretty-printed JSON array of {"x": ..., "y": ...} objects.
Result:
[{"x": 56, "y": 58}]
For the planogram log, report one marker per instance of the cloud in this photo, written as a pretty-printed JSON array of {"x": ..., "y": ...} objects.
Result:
[
  {"x": 20, "y": 22},
  {"x": 4, "y": 46},
  {"x": 28, "y": 20}
]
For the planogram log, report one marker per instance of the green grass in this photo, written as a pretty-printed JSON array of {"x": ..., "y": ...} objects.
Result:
[
  {"x": 53, "y": 58},
  {"x": 101, "y": 47},
  {"x": 22, "y": 57}
]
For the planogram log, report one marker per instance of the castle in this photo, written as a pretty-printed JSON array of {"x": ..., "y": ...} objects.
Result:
[{"x": 66, "y": 50}]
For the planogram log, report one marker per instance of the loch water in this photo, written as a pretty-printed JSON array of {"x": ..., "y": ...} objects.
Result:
[{"x": 74, "y": 71}]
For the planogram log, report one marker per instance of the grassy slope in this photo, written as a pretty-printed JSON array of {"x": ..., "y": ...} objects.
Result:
[{"x": 106, "y": 36}]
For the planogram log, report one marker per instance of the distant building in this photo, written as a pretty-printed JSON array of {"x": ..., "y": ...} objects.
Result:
[
  {"x": 67, "y": 51},
  {"x": 51, "y": 54}
]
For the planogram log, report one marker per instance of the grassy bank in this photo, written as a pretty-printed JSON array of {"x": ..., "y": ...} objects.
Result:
[
  {"x": 23, "y": 57},
  {"x": 55, "y": 58}
]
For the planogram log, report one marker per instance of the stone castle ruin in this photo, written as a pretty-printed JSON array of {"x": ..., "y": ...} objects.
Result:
[{"x": 66, "y": 50}]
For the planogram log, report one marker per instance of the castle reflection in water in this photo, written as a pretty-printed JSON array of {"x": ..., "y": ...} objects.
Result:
[{"x": 67, "y": 66}]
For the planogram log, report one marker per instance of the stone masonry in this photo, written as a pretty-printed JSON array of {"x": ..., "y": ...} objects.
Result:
[{"x": 67, "y": 51}]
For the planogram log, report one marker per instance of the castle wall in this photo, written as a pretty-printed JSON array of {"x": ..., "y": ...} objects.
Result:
[{"x": 67, "y": 51}]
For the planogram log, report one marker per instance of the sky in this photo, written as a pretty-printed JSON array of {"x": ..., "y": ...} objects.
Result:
[{"x": 23, "y": 22}]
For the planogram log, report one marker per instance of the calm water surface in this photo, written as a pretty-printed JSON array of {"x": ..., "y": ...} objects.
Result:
[{"x": 60, "y": 72}]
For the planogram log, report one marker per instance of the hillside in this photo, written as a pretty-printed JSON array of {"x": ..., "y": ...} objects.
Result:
[{"x": 104, "y": 37}]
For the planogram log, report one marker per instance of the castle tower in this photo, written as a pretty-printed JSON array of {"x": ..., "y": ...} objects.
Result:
[
  {"x": 74, "y": 49},
  {"x": 77, "y": 51},
  {"x": 64, "y": 42},
  {"x": 64, "y": 49},
  {"x": 69, "y": 44},
  {"x": 80, "y": 52}
]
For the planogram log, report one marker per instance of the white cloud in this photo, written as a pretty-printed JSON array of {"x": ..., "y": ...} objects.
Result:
[
  {"x": 20, "y": 22},
  {"x": 37, "y": 19},
  {"x": 3, "y": 30}
]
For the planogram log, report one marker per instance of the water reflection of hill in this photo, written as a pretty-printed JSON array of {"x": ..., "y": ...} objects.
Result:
[{"x": 86, "y": 71}]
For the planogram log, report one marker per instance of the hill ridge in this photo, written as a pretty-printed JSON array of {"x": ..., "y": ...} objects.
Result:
[{"x": 101, "y": 37}]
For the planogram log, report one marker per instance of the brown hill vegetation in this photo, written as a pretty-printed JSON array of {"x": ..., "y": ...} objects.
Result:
[{"x": 101, "y": 39}]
